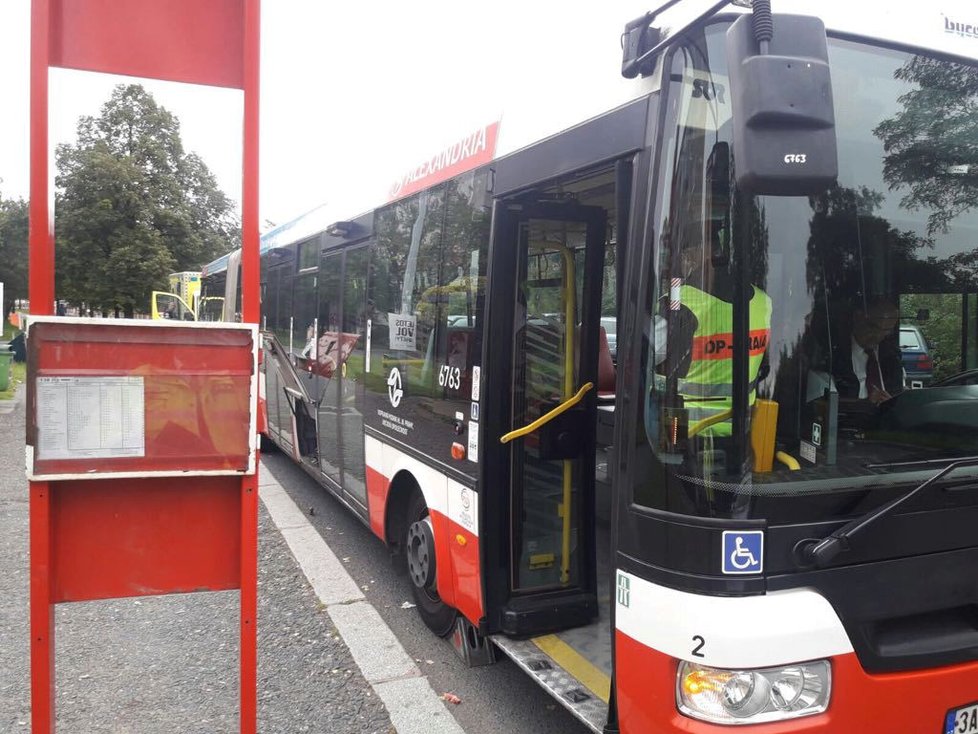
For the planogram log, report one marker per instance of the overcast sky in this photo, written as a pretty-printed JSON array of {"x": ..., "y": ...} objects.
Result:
[
  {"x": 353, "y": 93},
  {"x": 357, "y": 92}
]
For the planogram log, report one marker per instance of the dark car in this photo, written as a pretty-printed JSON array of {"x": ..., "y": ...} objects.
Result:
[{"x": 917, "y": 361}]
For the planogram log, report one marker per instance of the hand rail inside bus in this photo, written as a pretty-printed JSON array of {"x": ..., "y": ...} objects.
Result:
[{"x": 549, "y": 416}]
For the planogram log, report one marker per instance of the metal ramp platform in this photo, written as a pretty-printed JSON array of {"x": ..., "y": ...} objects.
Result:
[{"x": 574, "y": 666}]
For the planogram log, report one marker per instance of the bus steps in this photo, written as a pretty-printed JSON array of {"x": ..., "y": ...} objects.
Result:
[
  {"x": 557, "y": 681},
  {"x": 473, "y": 648}
]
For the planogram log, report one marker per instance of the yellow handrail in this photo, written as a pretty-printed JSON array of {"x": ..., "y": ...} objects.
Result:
[
  {"x": 569, "y": 298},
  {"x": 548, "y": 416},
  {"x": 788, "y": 460},
  {"x": 707, "y": 422}
]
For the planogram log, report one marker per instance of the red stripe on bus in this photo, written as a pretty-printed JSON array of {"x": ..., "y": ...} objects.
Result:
[
  {"x": 466, "y": 572},
  {"x": 444, "y": 576},
  {"x": 378, "y": 487}
]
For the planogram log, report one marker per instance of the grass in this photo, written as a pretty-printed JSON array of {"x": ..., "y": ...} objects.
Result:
[
  {"x": 17, "y": 375},
  {"x": 18, "y": 370}
]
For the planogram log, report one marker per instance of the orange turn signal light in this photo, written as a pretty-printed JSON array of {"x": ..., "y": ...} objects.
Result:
[{"x": 458, "y": 451}]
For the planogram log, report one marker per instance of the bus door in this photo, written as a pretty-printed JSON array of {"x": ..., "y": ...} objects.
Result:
[
  {"x": 554, "y": 289},
  {"x": 340, "y": 354}
]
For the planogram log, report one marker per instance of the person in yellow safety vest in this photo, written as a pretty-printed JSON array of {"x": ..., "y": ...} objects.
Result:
[{"x": 707, "y": 387}]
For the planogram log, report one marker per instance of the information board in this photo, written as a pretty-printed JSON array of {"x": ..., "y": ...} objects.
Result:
[{"x": 147, "y": 398}]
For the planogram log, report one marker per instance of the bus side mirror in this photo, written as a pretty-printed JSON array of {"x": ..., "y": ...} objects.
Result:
[{"x": 783, "y": 117}]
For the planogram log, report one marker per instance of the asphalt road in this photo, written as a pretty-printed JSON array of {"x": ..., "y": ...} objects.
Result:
[{"x": 497, "y": 699}]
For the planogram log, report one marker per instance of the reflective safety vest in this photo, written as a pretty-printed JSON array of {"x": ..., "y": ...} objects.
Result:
[{"x": 708, "y": 386}]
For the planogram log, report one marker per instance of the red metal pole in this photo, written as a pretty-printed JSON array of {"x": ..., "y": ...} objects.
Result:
[
  {"x": 250, "y": 307},
  {"x": 41, "y": 257},
  {"x": 41, "y": 293},
  {"x": 249, "y": 604},
  {"x": 42, "y": 611},
  {"x": 249, "y": 188}
]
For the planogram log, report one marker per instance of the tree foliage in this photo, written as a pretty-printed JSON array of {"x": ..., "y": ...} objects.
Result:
[
  {"x": 133, "y": 206},
  {"x": 931, "y": 144},
  {"x": 13, "y": 250}
]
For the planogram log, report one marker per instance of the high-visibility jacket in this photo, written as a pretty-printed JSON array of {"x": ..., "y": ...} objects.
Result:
[{"x": 707, "y": 388}]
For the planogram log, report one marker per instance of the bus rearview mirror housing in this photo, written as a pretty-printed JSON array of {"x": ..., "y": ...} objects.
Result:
[{"x": 784, "y": 141}]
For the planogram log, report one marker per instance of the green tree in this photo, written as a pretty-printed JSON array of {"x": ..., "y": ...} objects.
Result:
[
  {"x": 13, "y": 251},
  {"x": 931, "y": 144},
  {"x": 133, "y": 206}
]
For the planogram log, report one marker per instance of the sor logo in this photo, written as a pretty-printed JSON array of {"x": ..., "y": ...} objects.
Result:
[
  {"x": 394, "y": 389},
  {"x": 795, "y": 158}
]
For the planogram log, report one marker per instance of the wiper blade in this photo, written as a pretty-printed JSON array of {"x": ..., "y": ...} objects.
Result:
[
  {"x": 821, "y": 552},
  {"x": 924, "y": 463}
]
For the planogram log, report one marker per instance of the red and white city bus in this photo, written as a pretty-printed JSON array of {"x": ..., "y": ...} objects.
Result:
[{"x": 753, "y": 514}]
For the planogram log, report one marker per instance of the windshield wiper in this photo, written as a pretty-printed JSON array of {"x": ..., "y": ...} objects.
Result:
[
  {"x": 821, "y": 552},
  {"x": 923, "y": 463}
]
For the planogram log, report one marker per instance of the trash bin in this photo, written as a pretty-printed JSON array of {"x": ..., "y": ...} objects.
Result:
[
  {"x": 19, "y": 348},
  {"x": 6, "y": 357}
]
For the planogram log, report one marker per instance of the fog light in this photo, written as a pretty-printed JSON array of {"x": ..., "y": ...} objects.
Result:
[{"x": 753, "y": 696}]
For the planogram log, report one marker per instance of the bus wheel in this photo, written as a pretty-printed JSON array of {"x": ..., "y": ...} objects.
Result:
[{"x": 419, "y": 548}]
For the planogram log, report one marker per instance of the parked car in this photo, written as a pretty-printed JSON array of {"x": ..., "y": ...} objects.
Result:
[{"x": 917, "y": 361}]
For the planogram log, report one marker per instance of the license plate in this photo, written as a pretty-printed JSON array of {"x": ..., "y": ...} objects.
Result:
[{"x": 962, "y": 721}]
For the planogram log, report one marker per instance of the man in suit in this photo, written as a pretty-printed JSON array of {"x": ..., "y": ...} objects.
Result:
[{"x": 866, "y": 365}]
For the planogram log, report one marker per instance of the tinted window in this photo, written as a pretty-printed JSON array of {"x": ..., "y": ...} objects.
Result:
[
  {"x": 425, "y": 303},
  {"x": 784, "y": 314}
]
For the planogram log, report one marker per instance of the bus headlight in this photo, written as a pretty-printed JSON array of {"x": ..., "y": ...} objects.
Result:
[{"x": 753, "y": 696}]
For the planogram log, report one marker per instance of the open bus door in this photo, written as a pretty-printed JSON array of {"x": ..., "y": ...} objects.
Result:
[
  {"x": 171, "y": 306},
  {"x": 547, "y": 294},
  {"x": 281, "y": 375}
]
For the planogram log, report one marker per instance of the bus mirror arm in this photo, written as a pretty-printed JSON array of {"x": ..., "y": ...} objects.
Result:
[
  {"x": 820, "y": 553},
  {"x": 637, "y": 57},
  {"x": 549, "y": 416}
]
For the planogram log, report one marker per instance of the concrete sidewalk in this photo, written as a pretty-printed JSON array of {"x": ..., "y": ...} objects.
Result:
[{"x": 158, "y": 665}]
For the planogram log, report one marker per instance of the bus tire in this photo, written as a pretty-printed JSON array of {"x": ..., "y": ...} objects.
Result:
[{"x": 419, "y": 553}]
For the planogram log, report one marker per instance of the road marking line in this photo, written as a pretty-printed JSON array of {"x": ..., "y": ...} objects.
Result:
[{"x": 412, "y": 704}]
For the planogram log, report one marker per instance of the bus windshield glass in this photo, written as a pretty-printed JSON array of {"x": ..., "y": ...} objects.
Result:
[{"x": 804, "y": 352}]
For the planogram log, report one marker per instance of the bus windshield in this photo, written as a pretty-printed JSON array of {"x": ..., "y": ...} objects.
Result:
[{"x": 815, "y": 347}]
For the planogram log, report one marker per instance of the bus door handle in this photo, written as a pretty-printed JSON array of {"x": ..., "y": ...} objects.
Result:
[{"x": 548, "y": 416}]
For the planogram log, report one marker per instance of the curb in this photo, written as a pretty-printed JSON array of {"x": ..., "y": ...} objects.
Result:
[{"x": 412, "y": 704}]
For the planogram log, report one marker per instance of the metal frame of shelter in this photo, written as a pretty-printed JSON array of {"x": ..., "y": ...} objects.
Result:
[{"x": 177, "y": 512}]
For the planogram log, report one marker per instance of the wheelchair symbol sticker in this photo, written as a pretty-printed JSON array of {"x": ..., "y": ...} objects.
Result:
[{"x": 743, "y": 551}]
